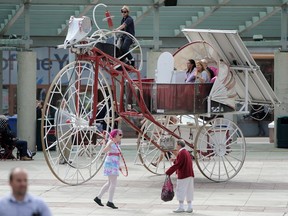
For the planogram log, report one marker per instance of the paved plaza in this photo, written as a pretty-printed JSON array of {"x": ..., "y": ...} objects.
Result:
[{"x": 260, "y": 188}]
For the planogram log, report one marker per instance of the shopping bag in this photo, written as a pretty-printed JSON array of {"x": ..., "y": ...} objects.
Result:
[{"x": 167, "y": 193}]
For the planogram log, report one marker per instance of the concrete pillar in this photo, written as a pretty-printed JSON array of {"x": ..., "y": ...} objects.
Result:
[
  {"x": 280, "y": 87},
  {"x": 26, "y": 98},
  {"x": 152, "y": 58}
]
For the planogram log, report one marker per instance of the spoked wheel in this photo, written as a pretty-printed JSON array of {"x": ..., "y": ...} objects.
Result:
[
  {"x": 152, "y": 158},
  {"x": 72, "y": 138},
  {"x": 100, "y": 33},
  {"x": 110, "y": 38},
  {"x": 220, "y": 149}
]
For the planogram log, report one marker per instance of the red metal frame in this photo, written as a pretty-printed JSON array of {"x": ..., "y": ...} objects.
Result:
[{"x": 108, "y": 63}]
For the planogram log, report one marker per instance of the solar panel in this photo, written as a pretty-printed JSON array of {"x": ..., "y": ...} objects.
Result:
[{"x": 234, "y": 53}]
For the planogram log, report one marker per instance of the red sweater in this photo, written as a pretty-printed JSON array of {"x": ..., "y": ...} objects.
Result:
[{"x": 183, "y": 165}]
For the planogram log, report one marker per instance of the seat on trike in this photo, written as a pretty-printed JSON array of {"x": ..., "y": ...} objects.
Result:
[
  {"x": 174, "y": 98},
  {"x": 179, "y": 98},
  {"x": 109, "y": 49}
]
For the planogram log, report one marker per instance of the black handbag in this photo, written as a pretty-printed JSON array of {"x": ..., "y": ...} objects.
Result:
[{"x": 167, "y": 193}]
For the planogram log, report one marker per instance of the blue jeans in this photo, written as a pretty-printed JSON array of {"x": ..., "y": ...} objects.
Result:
[{"x": 21, "y": 145}]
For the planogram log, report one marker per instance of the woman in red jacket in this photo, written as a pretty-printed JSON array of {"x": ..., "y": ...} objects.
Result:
[{"x": 185, "y": 177}]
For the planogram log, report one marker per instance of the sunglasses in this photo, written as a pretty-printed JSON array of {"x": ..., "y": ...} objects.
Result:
[
  {"x": 124, "y": 11},
  {"x": 120, "y": 134}
]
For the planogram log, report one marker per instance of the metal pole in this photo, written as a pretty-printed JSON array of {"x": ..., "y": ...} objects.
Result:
[
  {"x": 284, "y": 23},
  {"x": 1, "y": 82},
  {"x": 27, "y": 23},
  {"x": 246, "y": 90},
  {"x": 156, "y": 27}
]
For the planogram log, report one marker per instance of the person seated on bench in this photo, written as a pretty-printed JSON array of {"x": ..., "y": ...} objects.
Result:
[
  {"x": 208, "y": 69},
  {"x": 202, "y": 75},
  {"x": 10, "y": 139},
  {"x": 191, "y": 71}
]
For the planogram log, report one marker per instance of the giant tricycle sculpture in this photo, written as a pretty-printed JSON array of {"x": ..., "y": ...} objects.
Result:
[{"x": 97, "y": 84}]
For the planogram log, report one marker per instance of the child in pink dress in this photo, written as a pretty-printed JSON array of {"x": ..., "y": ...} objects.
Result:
[{"x": 111, "y": 167}]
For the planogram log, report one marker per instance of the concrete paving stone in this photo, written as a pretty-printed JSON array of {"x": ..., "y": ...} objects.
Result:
[
  {"x": 259, "y": 214},
  {"x": 260, "y": 188},
  {"x": 263, "y": 203},
  {"x": 212, "y": 212}
]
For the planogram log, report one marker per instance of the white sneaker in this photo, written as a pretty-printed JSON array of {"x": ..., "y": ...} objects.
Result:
[
  {"x": 189, "y": 210},
  {"x": 179, "y": 210}
]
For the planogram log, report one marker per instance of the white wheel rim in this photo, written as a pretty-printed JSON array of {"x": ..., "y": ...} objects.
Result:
[
  {"x": 220, "y": 149},
  {"x": 86, "y": 150},
  {"x": 104, "y": 35},
  {"x": 148, "y": 153}
]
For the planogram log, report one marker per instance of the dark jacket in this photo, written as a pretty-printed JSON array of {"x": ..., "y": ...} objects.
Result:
[{"x": 7, "y": 135}]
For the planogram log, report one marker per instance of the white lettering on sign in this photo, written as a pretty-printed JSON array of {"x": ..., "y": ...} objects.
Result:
[{"x": 49, "y": 62}]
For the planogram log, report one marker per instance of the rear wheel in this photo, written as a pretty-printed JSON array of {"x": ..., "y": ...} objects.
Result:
[
  {"x": 220, "y": 149},
  {"x": 152, "y": 139}
]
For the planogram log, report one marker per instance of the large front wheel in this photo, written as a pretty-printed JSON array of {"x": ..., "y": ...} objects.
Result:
[
  {"x": 77, "y": 115},
  {"x": 220, "y": 149}
]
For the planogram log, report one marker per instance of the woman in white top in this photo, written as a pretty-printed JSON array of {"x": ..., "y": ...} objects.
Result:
[{"x": 202, "y": 75}]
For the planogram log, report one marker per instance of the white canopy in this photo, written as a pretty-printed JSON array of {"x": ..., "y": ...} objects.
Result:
[{"x": 250, "y": 82}]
